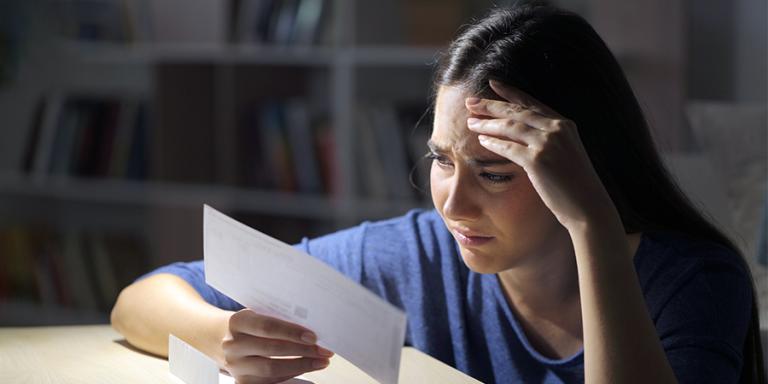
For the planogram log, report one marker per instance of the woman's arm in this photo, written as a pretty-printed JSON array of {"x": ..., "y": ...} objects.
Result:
[
  {"x": 620, "y": 341},
  {"x": 148, "y": 310},
  {"x": 244, "y": 342}
]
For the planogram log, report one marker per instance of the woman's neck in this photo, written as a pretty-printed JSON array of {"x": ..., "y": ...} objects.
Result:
[
  {"x": 545, "y": 283},
  {"x": 550, "y": 280}
]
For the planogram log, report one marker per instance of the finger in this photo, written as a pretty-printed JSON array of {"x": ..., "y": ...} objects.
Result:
[
  {"x": 516, "y": 153},
  {"x": 276, "y": 368},
  {"x": 515, "y": 131},
  {"x": 505, "y": 110},
  {"x": 518, "y": 96},
  {"x": 249, "y": 322},
  {"x": 248, "y": 345}
]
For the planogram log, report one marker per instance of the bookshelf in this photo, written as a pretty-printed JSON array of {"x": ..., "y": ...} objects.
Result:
[
  {"x": 94, "y": 209},
  {"x": 206, "y": 78}
]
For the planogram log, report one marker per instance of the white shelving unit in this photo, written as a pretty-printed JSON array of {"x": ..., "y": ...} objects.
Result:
[
  {"x": 342, "y": 58},
  {"x": 240, "y": 53},
  {"x": 366, "y": 59},
  {"x": 166, "y": 213},
  {"x": 170, "y": 194}
]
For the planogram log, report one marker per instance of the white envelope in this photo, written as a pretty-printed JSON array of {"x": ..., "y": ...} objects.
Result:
[
  {"x": 276, "y": 279},
  {"x": 191, "y": 366}
]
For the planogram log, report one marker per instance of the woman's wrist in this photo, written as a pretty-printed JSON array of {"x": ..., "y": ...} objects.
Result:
[
  {"x": 598, "y": 238},
  {"x": 604, "y": 221},
  {"x": 218, "y": 331}
]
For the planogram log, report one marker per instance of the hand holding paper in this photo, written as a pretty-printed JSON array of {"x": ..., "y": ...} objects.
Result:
[
  {"x": 254, "y": 339},
  {"x": 277, "y": 280},
  {"x": 191, "y": 366}
]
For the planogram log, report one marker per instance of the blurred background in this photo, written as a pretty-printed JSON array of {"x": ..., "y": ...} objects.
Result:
[{"x": 120, "y": 118}]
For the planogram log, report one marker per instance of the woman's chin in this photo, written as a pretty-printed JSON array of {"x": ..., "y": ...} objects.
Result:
[{"x": 479, "y": 262}]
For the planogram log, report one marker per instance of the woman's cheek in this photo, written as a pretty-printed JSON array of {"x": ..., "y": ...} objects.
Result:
[
  {"x": 519, "y": 207},
  {"x": 437, "y": 188}
]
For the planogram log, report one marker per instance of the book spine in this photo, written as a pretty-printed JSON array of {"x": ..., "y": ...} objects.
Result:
[
  {"x": 50, "y": 124},
  {"x": 301, "y": 137}
]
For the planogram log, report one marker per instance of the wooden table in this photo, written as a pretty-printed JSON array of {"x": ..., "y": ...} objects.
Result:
[{"x": 98, "y": 354}]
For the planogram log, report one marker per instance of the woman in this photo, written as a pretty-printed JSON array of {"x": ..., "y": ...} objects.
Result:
[{"x": 558, "y": 251}]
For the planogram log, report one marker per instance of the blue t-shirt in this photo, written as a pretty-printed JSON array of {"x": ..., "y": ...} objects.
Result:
[{"x": 697, "y": 293}]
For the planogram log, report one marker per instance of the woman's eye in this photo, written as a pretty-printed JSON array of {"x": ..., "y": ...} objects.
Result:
[
  {"x": 442, "y": 160},
  {"x": 496, "y": 179}
]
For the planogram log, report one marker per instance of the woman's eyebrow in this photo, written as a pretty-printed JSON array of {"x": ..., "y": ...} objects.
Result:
[
  {"x": 476, "y": 162},
  {"x": 489, "y": 162},
  {"x": 434, "y": 147}
]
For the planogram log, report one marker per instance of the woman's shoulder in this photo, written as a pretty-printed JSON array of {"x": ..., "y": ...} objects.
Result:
[
  {"x": 414, "y": 219},
  {"x": 679, "y": 250},
  {"x": 414, "y": 244},
  {"x": 416, "y": 225},
  {"x": 670, "y": 264}
]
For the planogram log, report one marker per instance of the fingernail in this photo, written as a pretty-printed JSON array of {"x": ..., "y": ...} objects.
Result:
[
  {"x": 308, "y": 337},
  {"x": 473, "y": 100},
  {"x": 472, "y": 121},
  {"x": 324, "y": 352},
  {"x": 320, "y": 363},
  {"x": 482, "y": 138}
]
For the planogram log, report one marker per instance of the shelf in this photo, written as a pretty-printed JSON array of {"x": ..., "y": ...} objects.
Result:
[
  {"x": 216, "y": 85},
  {"x": 392, "y": 55},
  {"x": 147, "y": 53},
  {"x": 190, "y": 52},
  {"x": 168, "y": 194}
]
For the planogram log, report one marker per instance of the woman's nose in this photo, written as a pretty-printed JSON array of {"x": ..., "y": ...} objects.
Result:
[{"x": 461, "y": 203}]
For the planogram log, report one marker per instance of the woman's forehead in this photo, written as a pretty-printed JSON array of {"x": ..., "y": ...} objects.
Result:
[
  {"x": 450, "y": 130},
  {"x": 450, "y": 133},
  {"x": 450, "y": 101}
]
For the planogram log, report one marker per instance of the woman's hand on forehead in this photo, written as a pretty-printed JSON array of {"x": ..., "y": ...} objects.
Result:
[{"x": 548, "y": 147}]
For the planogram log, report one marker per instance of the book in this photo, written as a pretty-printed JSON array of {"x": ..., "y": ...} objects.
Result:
[
  {"x": 275, "y": 147},
  {"x": 140, "y": 156},
  {"x": 45, "y": 274},
  {"x": 309, "y": 22},
  {"x": 325, "y": 142},
  {"x": 103, "y": 271},
  {"x": 282, "y": 22},
  {"x": 301, "y": 138},
  {"x": 389, "y": 136},
  {"x": 51, "y": 119},
  {"x": 90, "y": 136},
  {"x": 123, "y": 138},
  {"x": 75, "y": 271},
  {"x": 370, "y": 170},
  {"x": 65, "y": 148},
  {"x": 28, "y": 160}
]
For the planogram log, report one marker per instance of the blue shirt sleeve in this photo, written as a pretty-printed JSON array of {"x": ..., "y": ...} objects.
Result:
[
  {"x": 340, "y": 250},
  {"x": 193, "y": 273}
]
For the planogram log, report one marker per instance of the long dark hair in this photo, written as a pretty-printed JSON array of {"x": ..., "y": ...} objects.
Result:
[{"x": 558, "y": 58}]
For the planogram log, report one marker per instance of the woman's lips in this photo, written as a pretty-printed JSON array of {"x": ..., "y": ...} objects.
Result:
[{"x": 470, "y": 239}]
